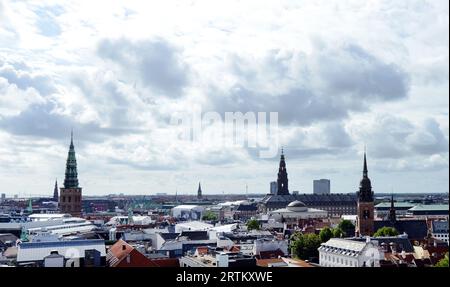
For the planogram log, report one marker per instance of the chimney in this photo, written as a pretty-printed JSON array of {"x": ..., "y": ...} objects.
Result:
[{"x": 393, "y": 248}]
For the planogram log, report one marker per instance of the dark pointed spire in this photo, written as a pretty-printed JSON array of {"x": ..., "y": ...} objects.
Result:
[
  {"x": 365, "y": 192},
  {"x": 71, "y": 175},
  {"x": 365, "y": 171},
  {"x": 55, "y": 191},
  {"x": 199, "y": 191},
  {"x": 392, "y": 215},
  {"x": 282, "y": 176}
]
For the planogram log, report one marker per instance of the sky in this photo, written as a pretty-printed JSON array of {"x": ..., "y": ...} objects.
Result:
[{"x": 343, "y": 76}]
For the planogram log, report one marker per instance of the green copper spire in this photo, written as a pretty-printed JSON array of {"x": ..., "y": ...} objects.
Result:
[
  {"x": 71, "y": 179},
  {"x": 30, "y": 206}
]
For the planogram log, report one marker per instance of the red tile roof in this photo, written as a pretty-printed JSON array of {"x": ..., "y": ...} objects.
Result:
[{"x": 266, "y": 262}]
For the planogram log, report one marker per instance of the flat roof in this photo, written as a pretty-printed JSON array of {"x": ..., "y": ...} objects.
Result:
[
  {"x": 401, "y": 204},
  {"x": 426, "y": 207}
]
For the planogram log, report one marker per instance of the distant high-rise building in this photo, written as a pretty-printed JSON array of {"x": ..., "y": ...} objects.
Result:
[
  {"x": 335, "y": 204},
  {"x": 3, "y": 198},
  {"x": 55, "y": 191},
  {"x": 199, "y": 192},
  {"x": 70, "y": 194},
  {"x": 273, "y": 187},
  {"x": 321, "y": 186}
]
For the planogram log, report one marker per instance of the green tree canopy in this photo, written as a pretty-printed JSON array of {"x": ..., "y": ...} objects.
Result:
[
  {"x": 386, "y": 231},
  {"x": 209, "y": 215},
  {"x": 325, "y": 234},
  {"x": 338, "y": 233},
  {"x": 304, "y": 246},
  {"x": 347, "y": 226},
  {"x": 253, "y": 224},
  {"x": 443, "y": 262}
]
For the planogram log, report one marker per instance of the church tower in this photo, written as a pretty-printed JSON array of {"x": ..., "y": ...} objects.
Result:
[
  {"x": 199, "y": 192},
  {"x": 365, "y": 208},
  {"x": 70, "y": 194},
  {"x": 282, "y": 180},
  {"x": 392, "y": 215},
  {"x": 55, "y": 191}
]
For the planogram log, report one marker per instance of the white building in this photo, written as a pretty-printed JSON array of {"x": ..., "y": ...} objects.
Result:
[
  {"x": 74, "y": 251},
  {"x": 296, "y": 211},
  {"x": 124, "y": 220},
  {"x": 192, "y": 226},
  {"x": 188, "y": 212},
  {"x": 321, "y": 186},
  {"x": 48, "y": 216},
  {"x": 439, "y": 230},
  {"x": 339, "y": 252}
]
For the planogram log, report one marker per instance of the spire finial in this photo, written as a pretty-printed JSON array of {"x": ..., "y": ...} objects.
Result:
[
  {"x": 392, "y": 215},
  {"x": 365, "y": 171},
  {"x": 282, "y": 150}
]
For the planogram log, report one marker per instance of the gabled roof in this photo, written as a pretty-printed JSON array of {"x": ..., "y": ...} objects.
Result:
[
  {"x": 169, "y": 235},
  {"x": 402, "y": 243}
]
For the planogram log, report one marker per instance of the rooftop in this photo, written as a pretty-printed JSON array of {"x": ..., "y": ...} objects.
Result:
[{"x": 428, "y": 207}]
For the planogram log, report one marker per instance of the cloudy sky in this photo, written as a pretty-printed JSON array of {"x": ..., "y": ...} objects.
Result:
[{"x": 341, "y": 74}]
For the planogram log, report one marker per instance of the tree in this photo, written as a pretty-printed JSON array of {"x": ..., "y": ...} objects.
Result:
[
  {"x": 325, "y": 234},
  {"x": 338, "y": 233},
  {"x": 253, "y": 224},
  {"x": 209, "y": 216},
  {"x": 304, "y": 246},
  {"x": 386, "y": 231},
  {"x": 443, "y": 262},
  {"x": 346, "y": 226}
]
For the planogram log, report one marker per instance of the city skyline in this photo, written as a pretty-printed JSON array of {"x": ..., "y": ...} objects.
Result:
[{"x": 116, "y": 73}]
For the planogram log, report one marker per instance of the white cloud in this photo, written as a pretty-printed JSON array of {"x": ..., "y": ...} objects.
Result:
[{"x": 341, "y": 74}]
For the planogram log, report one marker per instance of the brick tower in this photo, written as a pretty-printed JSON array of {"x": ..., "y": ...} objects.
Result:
[
  {"x": 70, "y": 194},
  {"x": 365, "y": 208}
]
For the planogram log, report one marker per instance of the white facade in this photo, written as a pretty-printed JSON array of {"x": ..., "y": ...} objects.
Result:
[
  {"x": 188, "y": 212},
  {"x": 439, "y": 230},
  {"x": 74, "y": 249},
  {"x": 48, "y": 216},
  {"x": 321, "y": 186},
  {"x": 54, "y": 260},
  {"x": 297, "y": 210},
  {"x": 136, "y": 220},
  {"x": 193, "y": 226},
  {"x": 338, "y": 252}
]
